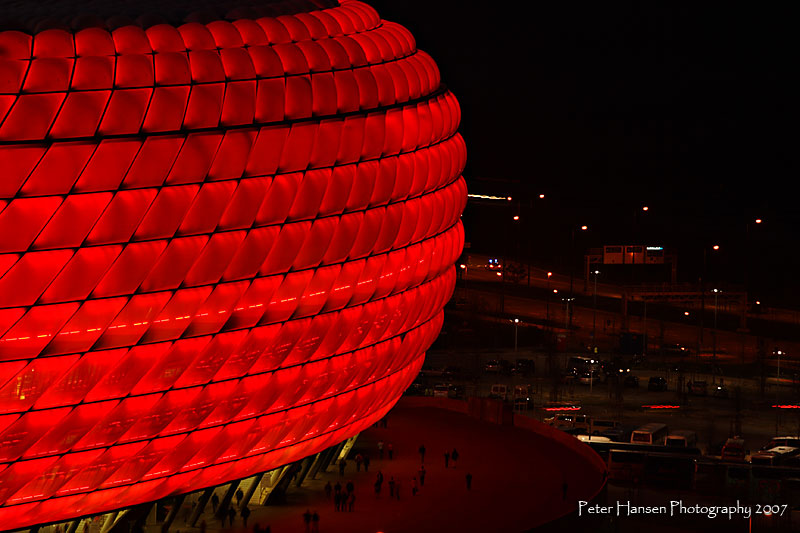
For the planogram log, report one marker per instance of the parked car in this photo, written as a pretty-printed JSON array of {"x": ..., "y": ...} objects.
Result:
[
  {"x": 588, "y": 379},
  {"x": 440, "y": 390},
  {"x": 455, "y": 391},
  {"x": 657, "y": 384},
  {"x": 619, "y": 433},
  {"x": 524, "y": 367},
  {"x": 698, "y": 388},
  {"x": 734, "y": 450},
  {"x": 598, "y": 426},
  {"x": 721, "y": 391},
  {"x": 631, "y": 381},
  {"x": 452, "y": 372},
  {"x": 492, "y": 366},
  {"x": 499, "y": 391},
  {"x": 774, "y": 442}
]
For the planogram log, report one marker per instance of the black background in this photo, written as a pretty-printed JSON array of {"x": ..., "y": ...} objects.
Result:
[{"x": 606, "y": 107}]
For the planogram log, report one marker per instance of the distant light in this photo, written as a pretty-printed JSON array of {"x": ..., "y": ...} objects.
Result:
[
  {"x": 584, "y": 228},
  {"x": 541, "y": 196},
  {"x": 758, "y": 302},
  {"x": 555, "y": 291},
  {"x": 549, "y": 274},
  {"x": 596, "y": 272},
  {"x": 716, "y": 247},
  {"x": 662, "y": 406},
  {"x": 516, "y": 321},
  {"x": 686, "y": 313},
  {"x": 462, "y": 265},
  {"x": 655, "y": 248},
  {"x": 715, "y": 290},
  {"x": 488, "y": 197},
  {"x": 787, "y": 406},
  {"x": 516, "y": 217},
  {"x": 645, "y": 208},
  {"x": 758, "y": 221},
  {"x": 499, "y": 273}
]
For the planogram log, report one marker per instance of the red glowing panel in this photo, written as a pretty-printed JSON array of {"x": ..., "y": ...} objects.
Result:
[{"x": 223, "y": 247}]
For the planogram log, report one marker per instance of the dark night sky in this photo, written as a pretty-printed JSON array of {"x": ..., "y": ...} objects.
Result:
[{"x": 606, "y": 107}]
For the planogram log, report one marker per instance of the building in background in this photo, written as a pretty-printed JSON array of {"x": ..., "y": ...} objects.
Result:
[{"x": 227, "y": 233}]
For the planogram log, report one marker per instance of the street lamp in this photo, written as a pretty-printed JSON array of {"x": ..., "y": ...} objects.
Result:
[
  {"x": 547, "y": 301},
  {"x": 516, "y": 324},
  {"x": 465, "y": 268}
]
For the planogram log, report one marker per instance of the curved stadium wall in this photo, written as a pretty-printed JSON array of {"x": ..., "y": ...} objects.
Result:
[{"x": 224, "y": 246}]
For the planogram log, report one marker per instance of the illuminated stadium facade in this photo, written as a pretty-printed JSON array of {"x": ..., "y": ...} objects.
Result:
[{"x": 225, "y": 245}]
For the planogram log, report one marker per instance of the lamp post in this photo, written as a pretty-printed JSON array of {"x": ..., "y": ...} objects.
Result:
[
  {"x": 594, "y": 312},
  {"x": 777, "y": 393},
  {"x": 547, "y": 300},
  {"x": 572, "y": 266},
  {"x": 465, "y": 268},
  {"x": 567, "y": 317},
  {"x": 516, "y": 323},
  {"x": 714, "y": 339}
]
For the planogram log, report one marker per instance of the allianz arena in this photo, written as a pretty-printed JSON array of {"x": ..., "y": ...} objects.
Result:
[{"x": 226, "y": 240}]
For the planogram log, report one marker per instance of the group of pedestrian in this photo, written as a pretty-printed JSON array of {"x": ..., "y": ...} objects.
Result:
[
  {"x": 389, "y": 449},
  {"x": 311, "y": 521},
  {"x": 343, "y": 500},
  {"x": 448, "y": 456},
  {"x": 362, "y": 459}
]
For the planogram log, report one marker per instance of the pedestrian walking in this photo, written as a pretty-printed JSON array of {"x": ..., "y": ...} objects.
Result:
[
  {"x": 359, "y": 460},
  {"x": 384, "y": 421},
  {"x": 397, "y": 490},
  {"x": 350, "y": 501},
  {"x": 454, "y": 456},
  {"x": 239, "y": 496},
  {"x": 380, "y": 449},
  {"x": 337, "y": 501},
  {"x": 256, "y": 528},
  {"x": 350, "y": 487},
  {"x": 342, "y": 465},
  {"x": 337, "y": 489},
  {"x": 307, "y": 520},
  {"x": 421, "y": 453},
  {"x": 315, "y": 522},
  {"x": 421, "y": 475},
  {"x": 377, "y": 488},
  {"x": 328, "y": 490},
  {"x": 202, "y": 526},
  {"x": 391, "y": 487},
  {"x": 379, "y": 477},
  {"x": 366, "y": 463},
  {"x": 469, "y": 481},
  {"x": 245, "y": 512},
  {"x": 414, "y": 486},
  {"x": 231, "y": 515},
  {"x": 214, "y": 502},
  {"x": 446, "y": 459},
  {"x": 390, "y": 450}
]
